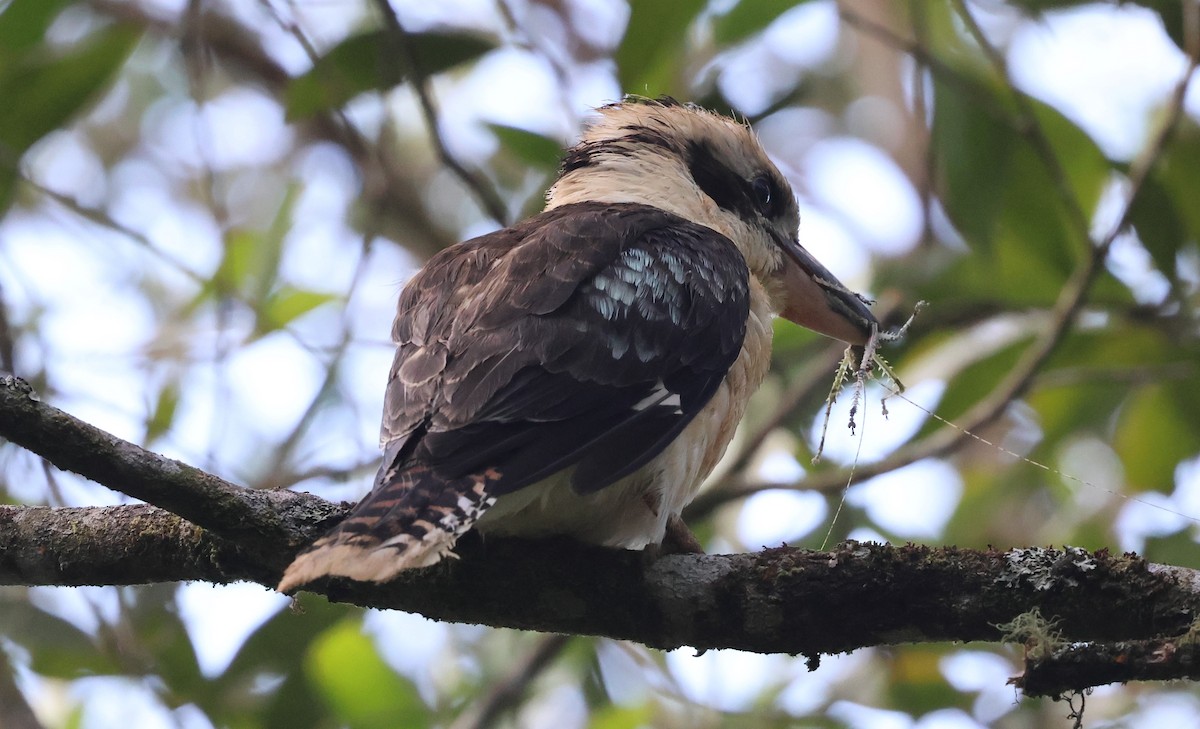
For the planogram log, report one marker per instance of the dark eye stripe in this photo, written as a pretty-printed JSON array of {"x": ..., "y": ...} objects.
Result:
[{"x": 729, "y": 190}]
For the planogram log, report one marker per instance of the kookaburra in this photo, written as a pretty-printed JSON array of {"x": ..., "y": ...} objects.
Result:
[{"x": 583, "y": 371}]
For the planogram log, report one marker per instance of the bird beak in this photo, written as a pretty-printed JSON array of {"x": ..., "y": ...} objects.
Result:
[{"x": 816, "y": 300}]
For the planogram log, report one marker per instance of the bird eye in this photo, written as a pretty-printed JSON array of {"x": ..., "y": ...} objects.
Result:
[{"x": 764, "y": 195}]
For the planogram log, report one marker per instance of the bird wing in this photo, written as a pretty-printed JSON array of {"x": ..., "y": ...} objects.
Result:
[
  {"x": 588, "y": 327},
  {"x": 587, "y": 336}
]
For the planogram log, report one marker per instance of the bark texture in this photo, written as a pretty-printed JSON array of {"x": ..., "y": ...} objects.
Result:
[{"x": 1114, "y": 618}]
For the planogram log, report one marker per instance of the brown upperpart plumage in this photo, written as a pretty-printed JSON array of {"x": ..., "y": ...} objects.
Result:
[{"x": 583, "y": 371}]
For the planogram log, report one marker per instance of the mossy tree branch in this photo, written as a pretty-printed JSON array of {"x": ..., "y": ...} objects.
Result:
[{"x": 781, "y": 600}]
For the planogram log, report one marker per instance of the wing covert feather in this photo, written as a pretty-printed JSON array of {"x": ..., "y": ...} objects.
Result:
[{"x": 590, "y": 334}]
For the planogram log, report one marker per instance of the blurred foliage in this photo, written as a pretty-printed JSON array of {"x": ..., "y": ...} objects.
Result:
[
  {"x": 359, "y": 688},
  {"x": 43, "y": 87},
  {"x": 747, "y": 18},
  {"x": 305, "y": 236},
  {"x": 370, "y": 62}
]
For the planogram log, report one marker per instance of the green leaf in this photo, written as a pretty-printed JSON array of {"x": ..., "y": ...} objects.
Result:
[
  {"x": 622, "y": 717},
  {"x": 294, "y": 705},
  {"x": 74, "y": 718},
  {"x": 1085, "y": 383},
  {"x": 358, "y": 686},
  {"x": 972, "y": 384},
  {"x": 795, "y": 344},
  {"x": 972, "y": 150},
  {"x": 997, "y": 186},
  {"x": 984, "y": 281},
  {"x": 749, "y": 17},
  {"x": 250, "y": 266},
  {"x": 1176, "y": 173},
  {"x": 163, "y": 642},
  {"x": 1005, "y": 201},
  {"x": 1155, "y": 432},
  {"x": 371, "y": 62},
  {"x": 1120, "y": 345},
  {"x": 649, "y": 55},
  {"x": 271, "y": 253},
  {"x": 1086, "y": 167},
  {"x": 163, "y": 416},
  {"x": 41, "y": 93},
  {"x": 23, "y": 25},
  {"x": 997, "y": 170},
  {"x": 531, "y": 148},
  {"x": 1178, "y": 549},
  {"x": 286, "y": 305},
  {"x": 238, "y": 266},
  {"x": 9, "y": 177},
  {"x": 1159, "y": 225},
  {"x": 281, "y": 642},
  {"x": 277, "y": 648}
]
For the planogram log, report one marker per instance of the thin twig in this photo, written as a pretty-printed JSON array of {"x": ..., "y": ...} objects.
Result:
[
  {"x": 198, "y": 61},
  {"x": 287, "y": 446},
  {"x": 1191, "y": 29},
  {"x": 104, "y": 220},
  {"x": 1029, "y": 126},
  {"x": 508, "y": 692},
  {"x": 921, "y": 112},
  {"x": 388, "y": 193},
  {"x": 7, "y": 339},
  {"x": 337, "y": 114},
  {"x": 343, "y": 474},
  {"x": 940, "y": 69},
  {"x": 532, "y": 42},
  {"x": 483, "y": 192}
]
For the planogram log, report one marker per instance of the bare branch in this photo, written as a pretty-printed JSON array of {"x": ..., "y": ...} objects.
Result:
[
  {"x": 259, "y": 520},
  {"x": 777, "y": 601},
  {"x": 483, "y": 192},
  {"x": 1080, "y": 666},
  {"x": 114, "y": 545}
]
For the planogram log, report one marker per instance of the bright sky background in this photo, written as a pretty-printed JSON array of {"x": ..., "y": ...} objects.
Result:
[{"x": 1107, "y": 68}]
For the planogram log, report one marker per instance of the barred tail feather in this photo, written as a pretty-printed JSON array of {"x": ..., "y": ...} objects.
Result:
[{"x": 410, "y": 520}]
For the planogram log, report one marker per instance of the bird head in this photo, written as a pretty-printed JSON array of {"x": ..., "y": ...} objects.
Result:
[{"x": 712, "y": 170}]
